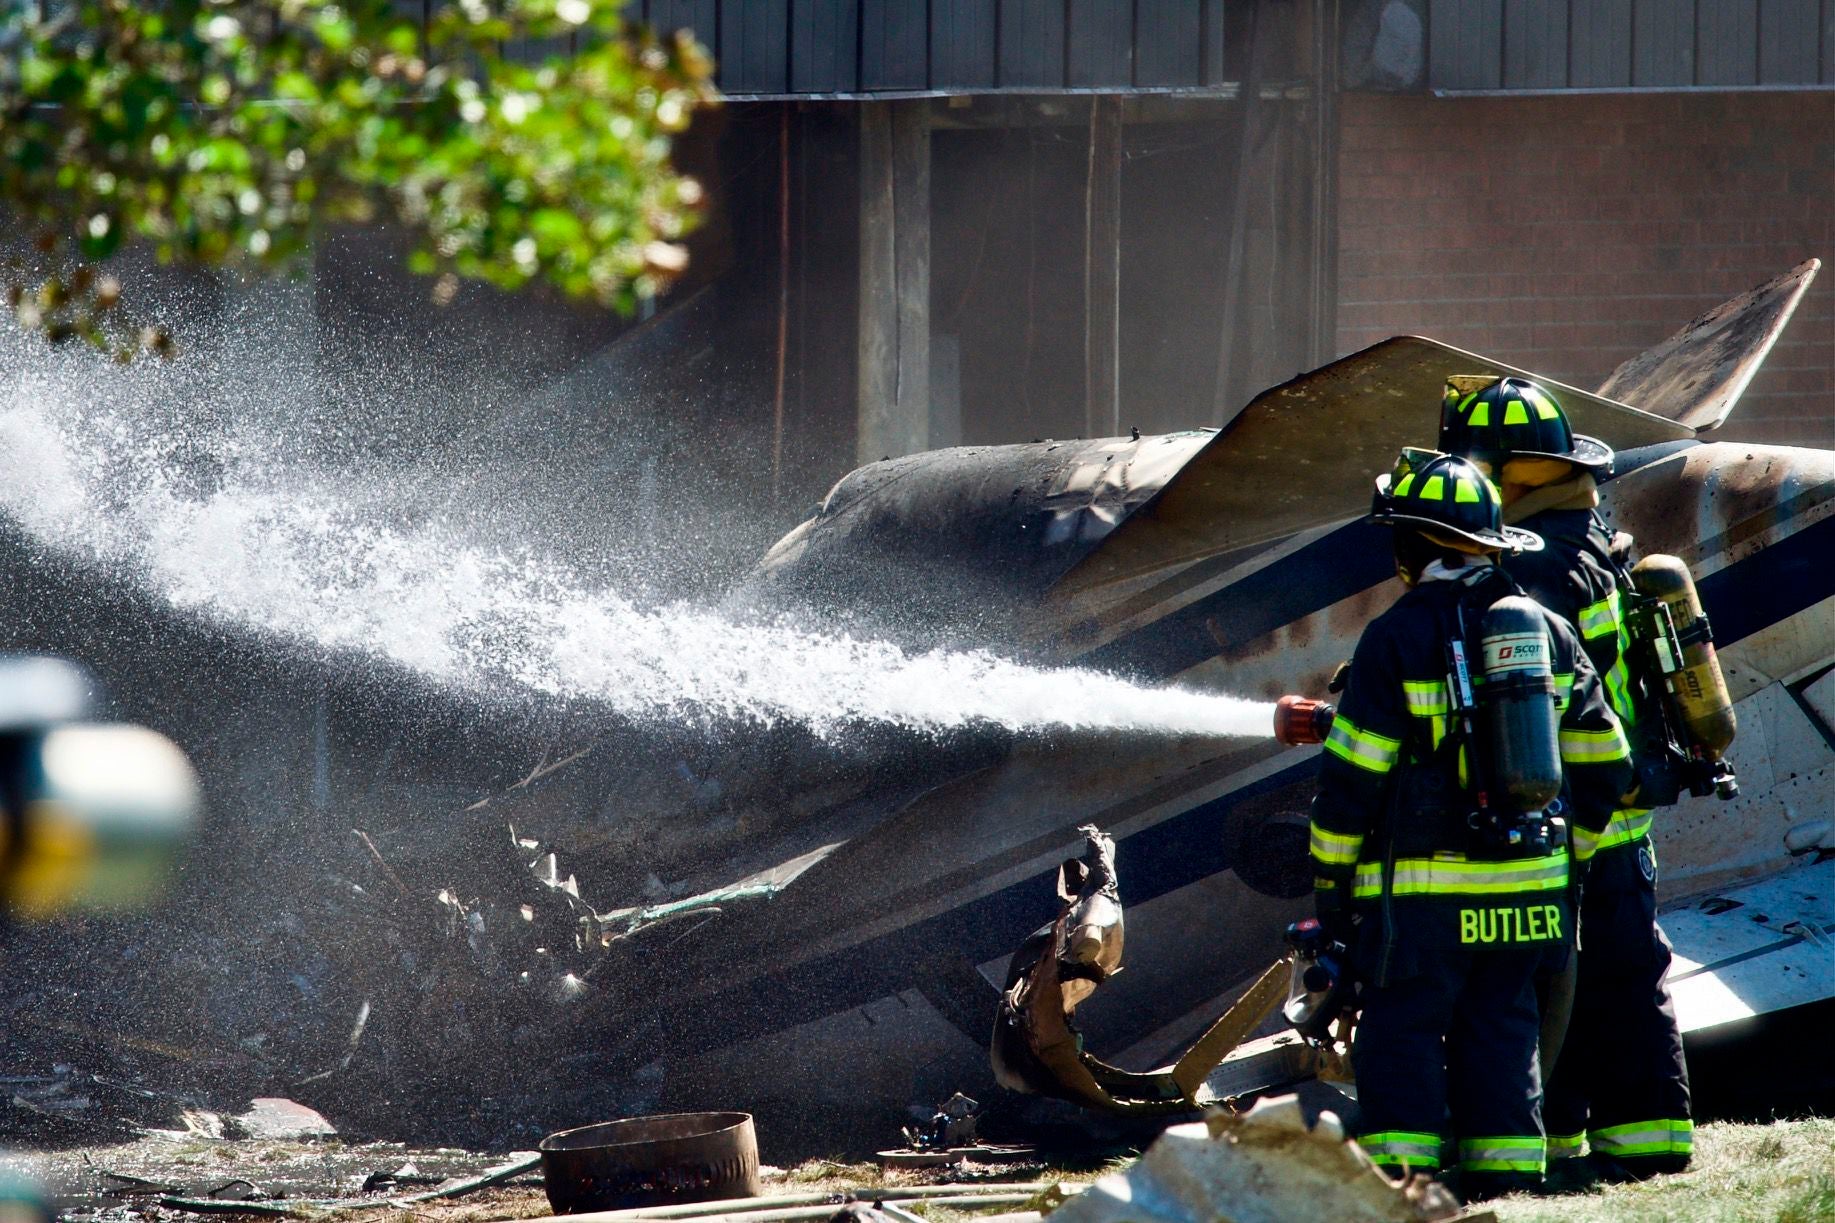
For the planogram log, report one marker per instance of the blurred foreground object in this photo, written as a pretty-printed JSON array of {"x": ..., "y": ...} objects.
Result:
[{"x": 91, "y": 814}]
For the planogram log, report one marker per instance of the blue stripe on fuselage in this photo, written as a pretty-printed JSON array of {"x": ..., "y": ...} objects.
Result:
[
  {"x": 1766, "y": 588},
  {"x": 1332, "y": 568}
]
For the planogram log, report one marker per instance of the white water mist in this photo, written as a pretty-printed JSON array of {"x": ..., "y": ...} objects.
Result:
[{"x": 344, "y": 559}]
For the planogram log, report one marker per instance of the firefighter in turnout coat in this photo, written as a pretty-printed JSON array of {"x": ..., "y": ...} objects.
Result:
[
  {"x": 1620, "y": 1083},
  {"x": 1452, "y": 907}
]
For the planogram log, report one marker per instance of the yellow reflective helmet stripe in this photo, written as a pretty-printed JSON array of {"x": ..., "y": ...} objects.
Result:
[
  {"x": 1403, "y": 485},
  {"x": 1481, "y": 413},
  {"x": 1466, "y": 492},
  {"x": 1433, "y": 488},
  {"x": 1546, "y": 407},
  {"x": 1515, "y": 413}
]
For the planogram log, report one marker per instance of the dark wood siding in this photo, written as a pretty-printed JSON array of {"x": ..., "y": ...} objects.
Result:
[
  {"x": 1616, "y": 44},
  {"x": 772, "y": 48},
  {"x": 1031, "y": 43},
  {"x": 963, "y": 35},
  {"x": 1599, "y": 44},
  {"x": 823, "y": 38},
  {"x": 1465, "y": 43}
]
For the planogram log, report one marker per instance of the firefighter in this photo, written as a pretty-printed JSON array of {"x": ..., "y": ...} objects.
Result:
[
  {"x": 1620, "y": 1084},
  {"x": 1448, "y": 928}
]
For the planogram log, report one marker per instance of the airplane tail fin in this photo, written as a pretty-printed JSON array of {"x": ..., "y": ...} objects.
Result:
[{"x": 1696, "y": 376}]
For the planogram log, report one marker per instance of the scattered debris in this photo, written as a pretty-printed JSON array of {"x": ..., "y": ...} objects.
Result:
[
  {"x": 273, "y": 1118},
  {"x": 1036, "y": 1047},
  {"x": 1263, "y": 1166}
]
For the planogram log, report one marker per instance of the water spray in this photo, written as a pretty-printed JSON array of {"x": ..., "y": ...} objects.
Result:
[{"x": 351, "y": 562}]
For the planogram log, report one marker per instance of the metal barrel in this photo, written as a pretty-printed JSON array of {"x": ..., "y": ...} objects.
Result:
[{"x": 651, "y": 1161}]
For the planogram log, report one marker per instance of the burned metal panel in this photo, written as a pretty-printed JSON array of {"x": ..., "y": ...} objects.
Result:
[
  {"x": 1698, "y": 374},
  {"x": 1535, "y": 44},
  {"x": 1599, "y": 44},
  {"x": 1726, "y": 43},
  {"x": 894, "y": 44},
  {"x": 962, "y": 44},
  {"x": 823, "y": 38},
  {"x": 1340, "y": 425},
  {"x": 1100, "y": 45},
  {"x": 1790, "y": 32},
  {"x": 754, "y": 45},
  {"x": 1168, "y": 42},
  {"x": 1032, "y": 43},
  {"x": 1663, "y": 42},
  {"x": 1465, "y": 44}
]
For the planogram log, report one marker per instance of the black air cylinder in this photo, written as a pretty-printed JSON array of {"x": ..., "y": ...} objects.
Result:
[{"x": 1518, "y": 705}]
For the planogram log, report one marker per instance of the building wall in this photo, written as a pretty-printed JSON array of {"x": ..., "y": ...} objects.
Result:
[{"x": 1567, "y": 233}]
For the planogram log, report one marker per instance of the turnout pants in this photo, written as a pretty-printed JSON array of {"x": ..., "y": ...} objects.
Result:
[
  {"x": 1621, "y": 1086},
  {"x": 1456, "y": 1034}
]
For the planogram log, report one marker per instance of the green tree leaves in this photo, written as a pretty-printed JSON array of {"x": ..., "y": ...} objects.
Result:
[{"x": 228, "y": 133}]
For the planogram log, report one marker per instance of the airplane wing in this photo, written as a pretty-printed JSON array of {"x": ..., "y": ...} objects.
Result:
[
  {"x": 1697, "y": 375},
  {"x": 1747, "y": 951},
  {"x": 1303, "y": 454}
]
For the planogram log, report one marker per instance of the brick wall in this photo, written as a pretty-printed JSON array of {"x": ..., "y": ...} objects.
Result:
[{"x": 1564, "y": 234}]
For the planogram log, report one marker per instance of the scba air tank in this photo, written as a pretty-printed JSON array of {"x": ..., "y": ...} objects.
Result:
[
  {"x": 1694, "y": 679},
  {"x": 1518, "y": 705}
]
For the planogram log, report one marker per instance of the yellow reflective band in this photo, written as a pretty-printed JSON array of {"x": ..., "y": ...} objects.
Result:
[
  {"x": 1363, "y": 748},
  {"x": 1585, "y": 843},
  {"x": 1335, "y": 849},
  {"x": 1618, "y": 692},
  {"x": 1627, "y": 825},
  {"x": 1667, "y": 1137},
  {"x": 1598, "y": 619},
  {"x": 1426, "y": 697},
  {"x": 1509, "y": 1153},
  {"x": 1322, "y": 884},
  {"x": 1402, "y": 1148},
  {"x": 1566, "y": 1146},
  {"x": 1594, "y": 746},
  {"x": 1481, "y": 413},
  {"x": 1465, "y": 491},
  {"x": 1564, "y": 689},
  {"x": 1515, "y": 413},
  {"x": 1546, "y": 407},
  {"x": 1433, "y": 488},
  {"x": 1403, "y": 485},
  {"x": 1452, "y": 875}
]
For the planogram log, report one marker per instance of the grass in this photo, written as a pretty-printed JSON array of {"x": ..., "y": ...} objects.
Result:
[{"x": 1784, "y": 1170}]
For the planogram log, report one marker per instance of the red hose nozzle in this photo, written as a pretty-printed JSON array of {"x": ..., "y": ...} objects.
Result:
[{"x": 1300, "y": 720}]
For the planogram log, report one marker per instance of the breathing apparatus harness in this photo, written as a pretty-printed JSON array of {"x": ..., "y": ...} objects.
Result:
[
  {"x": 1685, "y": 713},
  {"x": 1509, "y": 740}
]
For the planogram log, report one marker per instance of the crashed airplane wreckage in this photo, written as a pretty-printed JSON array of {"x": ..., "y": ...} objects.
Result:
[{"x": 861, "y": 911}]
